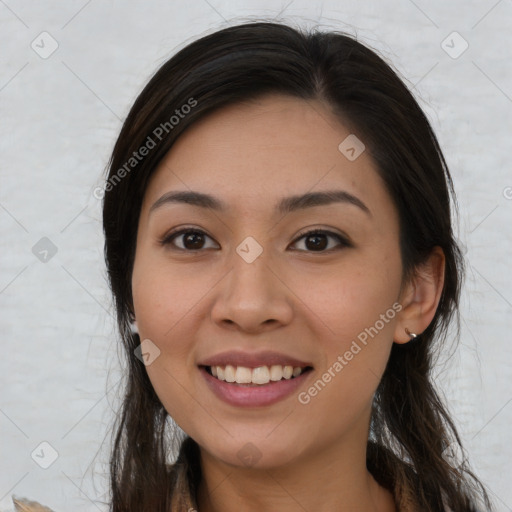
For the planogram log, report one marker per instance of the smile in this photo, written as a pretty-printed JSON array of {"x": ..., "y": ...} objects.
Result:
[
  {"x": 262, "y": 386},
  {"x": 255, "y": 376}
]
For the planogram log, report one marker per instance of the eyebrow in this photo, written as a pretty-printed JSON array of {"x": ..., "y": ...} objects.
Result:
[{"x": 284, "y": 206}]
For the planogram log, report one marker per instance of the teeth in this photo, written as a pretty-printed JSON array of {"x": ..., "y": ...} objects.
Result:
[
  {"x": 276, "y": 372},
  {"x": 229, "y": 373},
  {"x": 243, "y": 375},
  {"x": 288, "y": 372},
  {"x": 260, "y": 375}
]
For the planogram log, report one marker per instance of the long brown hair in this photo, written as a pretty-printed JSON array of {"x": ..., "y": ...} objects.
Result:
[{"x": 410, "y": 427}]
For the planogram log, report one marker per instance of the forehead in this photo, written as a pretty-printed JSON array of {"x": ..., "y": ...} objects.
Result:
[
  {"x": 273, "y": 130},
  {"x": 262, "y": 149}
]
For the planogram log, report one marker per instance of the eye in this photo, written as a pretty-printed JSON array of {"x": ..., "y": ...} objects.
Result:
[
  {"x": 317, "y": 240},
  {"x": 191, "y": 239}
]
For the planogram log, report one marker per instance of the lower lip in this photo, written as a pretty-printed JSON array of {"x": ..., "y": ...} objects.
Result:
[{"x": 253, "y": 396}]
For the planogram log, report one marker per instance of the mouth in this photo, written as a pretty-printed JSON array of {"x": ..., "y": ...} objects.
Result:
[
  {"x": 255, "y": 377},
  {"x": 256, "y": 387}
]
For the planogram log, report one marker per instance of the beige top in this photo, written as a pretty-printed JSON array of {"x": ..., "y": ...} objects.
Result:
[{"x": 24, "y": 505}]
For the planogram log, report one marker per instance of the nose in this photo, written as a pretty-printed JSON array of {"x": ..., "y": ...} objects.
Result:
[{"x": 253, "y": 297}]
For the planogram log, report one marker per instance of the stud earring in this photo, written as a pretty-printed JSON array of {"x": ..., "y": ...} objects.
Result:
[{"x": 410, "y": 334}]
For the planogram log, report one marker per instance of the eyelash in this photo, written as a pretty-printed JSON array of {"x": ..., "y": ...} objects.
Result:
[{"x": 168, "y": 239}]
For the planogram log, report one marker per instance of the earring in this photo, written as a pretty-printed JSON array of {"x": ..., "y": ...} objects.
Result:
[
  {"x": 410, "y": 334},
  {"x": 134, "y": 328}
]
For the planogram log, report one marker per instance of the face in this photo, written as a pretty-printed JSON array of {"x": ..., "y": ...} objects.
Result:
[{"x": 236, "y": 287}]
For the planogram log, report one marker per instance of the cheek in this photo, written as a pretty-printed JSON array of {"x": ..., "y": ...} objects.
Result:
[
  {"x": 352, "y": 297},
  {"x": 167, "y": 303},
  {"x": 355, "y": 309},
  {"x": 164, "y": 295}
]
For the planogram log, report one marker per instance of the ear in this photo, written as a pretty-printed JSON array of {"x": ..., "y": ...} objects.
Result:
[
  {"x": 133, "y": 321},
  {"x": 131, "y": 312},
  {"x": 420, "y": 297}
]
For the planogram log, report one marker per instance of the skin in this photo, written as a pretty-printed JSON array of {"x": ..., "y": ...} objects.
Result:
[{"x": 294, "y": 299}]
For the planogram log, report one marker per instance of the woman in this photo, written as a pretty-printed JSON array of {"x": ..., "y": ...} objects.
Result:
[{"x": 281, "y": 255}]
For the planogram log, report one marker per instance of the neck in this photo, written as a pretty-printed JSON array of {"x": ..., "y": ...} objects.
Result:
[{"x": 333, "y": 479}]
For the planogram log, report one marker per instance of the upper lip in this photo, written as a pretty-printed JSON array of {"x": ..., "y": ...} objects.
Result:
[{"x": 248, "y": 360}]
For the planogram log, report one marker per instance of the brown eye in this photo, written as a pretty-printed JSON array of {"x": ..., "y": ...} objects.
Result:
[
  {"x": 318, "y": 241},
  {"x": 314, "y": 241},
  {"x": 191, "y": 239}
]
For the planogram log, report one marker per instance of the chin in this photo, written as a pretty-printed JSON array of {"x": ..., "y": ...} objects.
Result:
[{"x": 254, "y": 451}]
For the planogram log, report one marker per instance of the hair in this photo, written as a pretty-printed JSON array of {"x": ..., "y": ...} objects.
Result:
[{"x": 410, "y": 428}]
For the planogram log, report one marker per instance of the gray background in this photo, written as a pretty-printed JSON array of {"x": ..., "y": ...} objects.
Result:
[{"x": 59, "y": 117}]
